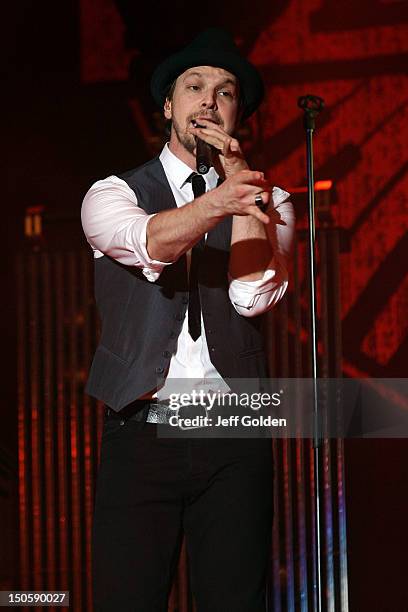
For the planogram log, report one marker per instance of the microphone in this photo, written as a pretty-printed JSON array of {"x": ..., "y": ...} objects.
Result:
[{"x": 203, "y": 156}]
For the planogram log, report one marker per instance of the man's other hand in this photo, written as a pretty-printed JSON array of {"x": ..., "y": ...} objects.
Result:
[{"x": 236, "y": 195}]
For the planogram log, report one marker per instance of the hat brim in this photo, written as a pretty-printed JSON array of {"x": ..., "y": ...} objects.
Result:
[{"x": 250, "y": 82}]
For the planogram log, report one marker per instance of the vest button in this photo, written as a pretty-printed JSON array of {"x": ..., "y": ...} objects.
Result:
[
  {"x": 212, "y": 349},
  {"x": 159, "y": 370},
  {"x": 166, "y": 354},
  {"x": 179, "y": 317},
  {"x": 173, "y": 334},
  {"x": 184, "y": 300}
]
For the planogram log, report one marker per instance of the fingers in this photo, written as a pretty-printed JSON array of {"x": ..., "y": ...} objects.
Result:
[
  {"x": 255, "y": 208},
  {"x": 265, "y": 197},
  {"x": 252, "y": 177},
  {"x": 244, "y": 203},
  {"x": 211, "y": 136},
  {"x": 214, "y": 135},
  {"x": 262, "y": 188},
  {"x": 241, "y": 188}
]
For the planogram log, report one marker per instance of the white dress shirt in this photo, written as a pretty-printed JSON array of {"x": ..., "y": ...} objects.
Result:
[{"x": 115, "y": 225}]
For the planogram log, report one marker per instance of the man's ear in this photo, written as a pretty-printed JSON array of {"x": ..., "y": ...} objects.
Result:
[{"x": 167, "y": 109}]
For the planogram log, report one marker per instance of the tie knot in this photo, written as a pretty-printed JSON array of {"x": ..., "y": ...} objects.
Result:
[{"x": 198, "y": 184}]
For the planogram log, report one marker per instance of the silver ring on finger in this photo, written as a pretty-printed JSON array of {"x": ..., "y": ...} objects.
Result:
[{"x": 258, "y": 200}]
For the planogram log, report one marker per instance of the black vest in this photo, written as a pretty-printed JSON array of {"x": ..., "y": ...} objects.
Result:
[{"x": 141, "y": 320}]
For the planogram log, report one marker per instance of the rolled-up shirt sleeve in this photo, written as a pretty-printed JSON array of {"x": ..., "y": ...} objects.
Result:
[
  {"x": 115, "y": 225},
  {"x": 252, "y": 298}
]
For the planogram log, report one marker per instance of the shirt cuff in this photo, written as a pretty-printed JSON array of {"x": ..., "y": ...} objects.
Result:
[
  {"x": 252, "y": 298},
  {"x": 152, "y": 267}
]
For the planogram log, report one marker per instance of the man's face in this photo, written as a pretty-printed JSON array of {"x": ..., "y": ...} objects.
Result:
[{"x": 202, "y": 92}]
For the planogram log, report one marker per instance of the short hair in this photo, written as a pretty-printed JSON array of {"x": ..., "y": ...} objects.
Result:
[
  {"x": 170, "y": 92},
  {"x": 169, "y": 96}
]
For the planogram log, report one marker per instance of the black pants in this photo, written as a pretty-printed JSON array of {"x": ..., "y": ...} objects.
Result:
[{"x": 150, "y": 490}]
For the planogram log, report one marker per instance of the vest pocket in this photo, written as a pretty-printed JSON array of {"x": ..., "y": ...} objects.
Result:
[
  {"x": 106, "y": 375},
  {"x": 112, "y": 354}
]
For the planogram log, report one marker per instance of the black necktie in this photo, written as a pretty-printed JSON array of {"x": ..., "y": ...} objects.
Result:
[{"x": 194, "y": 308}]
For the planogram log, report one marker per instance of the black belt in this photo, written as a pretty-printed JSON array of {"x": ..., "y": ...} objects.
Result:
[
  {"x": 152, "y": 411},
  {"x": 136, "y": 411}
]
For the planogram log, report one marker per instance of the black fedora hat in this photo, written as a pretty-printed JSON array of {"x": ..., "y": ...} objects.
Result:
[{"x": 213, "y": 47}]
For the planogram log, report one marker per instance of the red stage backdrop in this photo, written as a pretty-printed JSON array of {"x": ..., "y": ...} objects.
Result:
[{"x": 354, "y": 55}]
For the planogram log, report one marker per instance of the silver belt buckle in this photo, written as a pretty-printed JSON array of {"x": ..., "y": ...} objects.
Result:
[
  {"x": 187, "y": 427},
  {"x": 158, "y": 413}
]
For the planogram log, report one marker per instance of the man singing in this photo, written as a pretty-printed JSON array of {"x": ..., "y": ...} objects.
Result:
[{"x": 184, "y": 266}]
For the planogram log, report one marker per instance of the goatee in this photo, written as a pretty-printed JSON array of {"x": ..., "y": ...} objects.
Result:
[{"x": 187, "y": 140}]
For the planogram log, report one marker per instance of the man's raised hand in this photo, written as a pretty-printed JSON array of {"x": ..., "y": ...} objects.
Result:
[{"x": 229, "y": 151}]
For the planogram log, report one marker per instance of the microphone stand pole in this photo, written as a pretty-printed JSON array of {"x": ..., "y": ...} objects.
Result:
[{"x": 312, "y": 106}]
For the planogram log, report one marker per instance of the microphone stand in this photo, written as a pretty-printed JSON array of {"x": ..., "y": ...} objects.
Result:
[{"x": 312, "y": 106}]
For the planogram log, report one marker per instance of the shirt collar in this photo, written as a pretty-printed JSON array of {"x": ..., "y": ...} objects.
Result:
[{"x": 178, "y": 172}]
